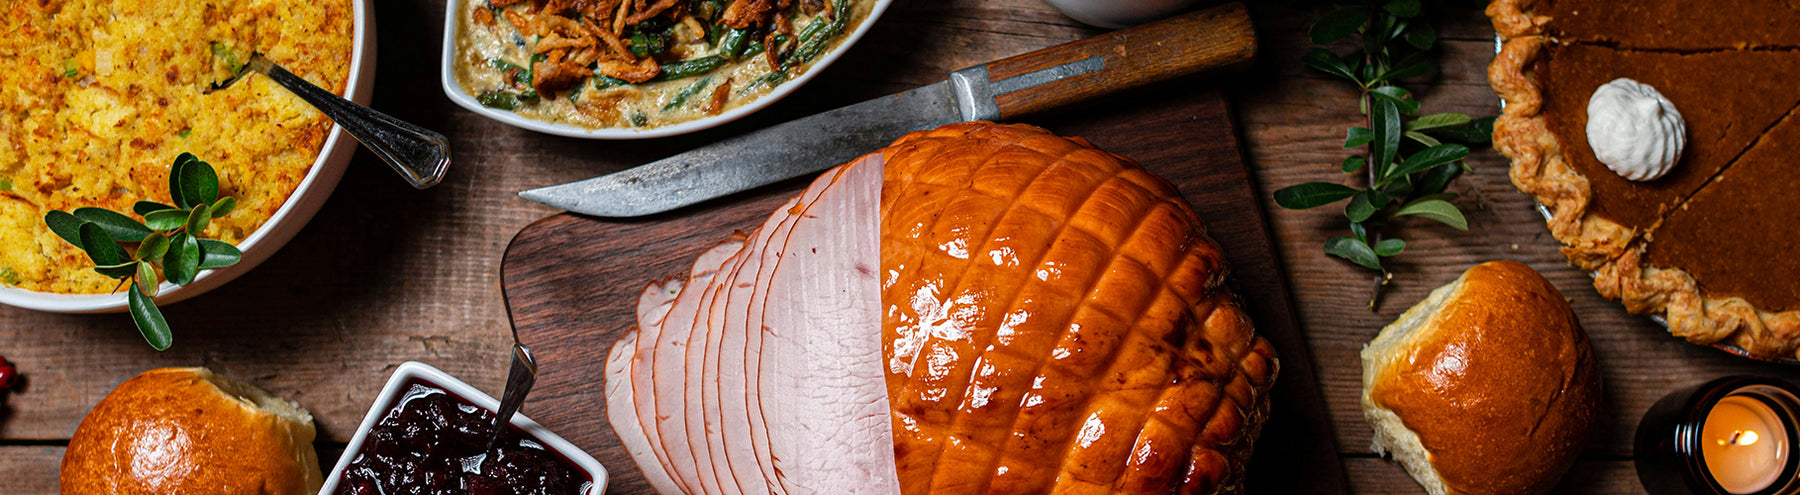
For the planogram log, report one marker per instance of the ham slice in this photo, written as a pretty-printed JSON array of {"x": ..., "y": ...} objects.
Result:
[{"x": 977, "y": 308}]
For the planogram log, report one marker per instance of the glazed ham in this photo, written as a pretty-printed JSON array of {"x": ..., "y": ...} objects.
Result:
[{"x": 978, "y": 308}]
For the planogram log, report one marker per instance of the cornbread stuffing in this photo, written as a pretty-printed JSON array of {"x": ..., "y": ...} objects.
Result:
[{"x": 98, "y": 97}]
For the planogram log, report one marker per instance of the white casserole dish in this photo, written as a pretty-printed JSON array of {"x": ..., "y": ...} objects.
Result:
[
  {"x": 412, "y": 371},
  {"x": 308, "y": 196},
  {"x": 455, "y": 91}
]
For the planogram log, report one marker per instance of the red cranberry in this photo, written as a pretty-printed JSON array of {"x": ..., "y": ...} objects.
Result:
[{"x": 8, "y": 375}]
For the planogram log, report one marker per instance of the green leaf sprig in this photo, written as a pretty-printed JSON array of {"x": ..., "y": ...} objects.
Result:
[
  {"x": 166, "y": 245},
  {"x": 1408, "y": 158}
]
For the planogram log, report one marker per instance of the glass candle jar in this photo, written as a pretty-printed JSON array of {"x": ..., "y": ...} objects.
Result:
[{"x": 1734, "y": 435}]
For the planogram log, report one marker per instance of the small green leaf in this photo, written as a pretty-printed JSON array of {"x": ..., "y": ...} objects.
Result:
[
  {"x": 1354, "y": 163},
  {"x": 122, "y": 270},
  {"x": 223, "y": 207},
  {"x": 149, "y": 320},
  {"x": 5, "y": 185},
  {"x": 1417, "y": 64},
  {"x": 122, "y": 228},
  {"x": 1358, "y": 136},
  {"x": 1398, "y": 189},
  {"x": 8, "y": 276},
  {"x": 1428, "y": 158},
  {"x": 1312, "y": 194},
  {"x": 1324, "y": 60},
  {"x": 176, "y": 170},
  {"x": 166, "y": 220},
  {"x": 198, "y": 219},
  {"x": 1477, "y": 131},
  {"x": 218, "y": 254},
  {"x": 1402, "y": 98},
  {"x": 1421, "y": 36},
  {"x": 1374, "y": 37},
  {"x": 1361, "y": 232},
  {"x": 1435, "y": 180},
  {"x": 182, "y": 261},
  {"x": 1386, "y": 120},
  {"x": 65, "y": 225},
  {"x": 1379, "y": 198},
  {"x": 1422, "y": 138},
  {"x": 152, "y": 247},
  {"x": 1354, "y": 250},
  {"x": 1389, "y": 247},
  {"x": 146, "y": 278},
  {"x": 1360, "y": 207},
  {"x": 199, "y": 183},
  {"x": 100, "y": 247},
  {"x": 1398, "y": 29},
  {"x": 1436, "y": 121},
  {"x": 1435, "y": 209},
  {"x": 1337, "y": 24},
  {"x": 143, "y": 208},
  {"x": 1403, "y": 8}
]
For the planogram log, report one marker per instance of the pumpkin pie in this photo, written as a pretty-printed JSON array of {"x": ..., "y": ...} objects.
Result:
[
  {"x": 1665, "y": 25},
  {"x": 1694, "y": 245}
]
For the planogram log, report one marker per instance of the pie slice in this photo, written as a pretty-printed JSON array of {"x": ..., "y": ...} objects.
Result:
[
  {"x": 1669, "y": 25},
  {"x": 1547, "y": 84},
  {"x": 1724, "y": 266}
]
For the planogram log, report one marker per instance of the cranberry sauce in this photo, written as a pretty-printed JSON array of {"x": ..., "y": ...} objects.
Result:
[{"x": 431, "y": 443}]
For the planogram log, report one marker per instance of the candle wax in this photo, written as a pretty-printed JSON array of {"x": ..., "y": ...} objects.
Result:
[{"x": 1744, "y": 443}]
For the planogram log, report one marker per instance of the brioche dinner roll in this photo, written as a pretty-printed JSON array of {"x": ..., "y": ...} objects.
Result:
[
  {"x": 189, "y": 431},
  {"x": 1487, "y": 386}
]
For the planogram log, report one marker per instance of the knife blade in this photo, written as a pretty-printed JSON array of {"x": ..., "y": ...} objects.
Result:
[
  {"x": 1211, "y": 40},
  {"x": 775, "y": 154}
]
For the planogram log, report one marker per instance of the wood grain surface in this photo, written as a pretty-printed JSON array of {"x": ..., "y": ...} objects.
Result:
[
  {"x": 386, "y": 274},
  {"x": 570, "y": 322}
]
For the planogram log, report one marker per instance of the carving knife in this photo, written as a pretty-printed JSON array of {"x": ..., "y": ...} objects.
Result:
[{"x": 1213, "y": 40}]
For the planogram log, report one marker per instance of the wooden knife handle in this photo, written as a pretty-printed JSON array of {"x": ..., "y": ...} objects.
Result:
[{"x": 1215, "y": 39}]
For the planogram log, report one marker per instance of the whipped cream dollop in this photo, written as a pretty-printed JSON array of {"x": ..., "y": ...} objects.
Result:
[{"x": 1634, "y": 130}]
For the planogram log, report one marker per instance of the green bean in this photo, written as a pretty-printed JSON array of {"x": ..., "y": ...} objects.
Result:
[
  {"x": 733, "y": 44},
  {"x": 757, "y": 47},
  {"x": 812, "y": 47},
  {"x": 687, "y": 93},
  {"x": 647, "y": 44},
  {"x": 775, "y": 77},
  {"x": 503, "y": 100},
  {"x": 689, "y": 68},
  {"x": 603, "y": 82},
  {"x": 812, "y": 28}
]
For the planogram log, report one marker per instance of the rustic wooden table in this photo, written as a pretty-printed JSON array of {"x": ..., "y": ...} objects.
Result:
[{"x": 386, "y": 274}]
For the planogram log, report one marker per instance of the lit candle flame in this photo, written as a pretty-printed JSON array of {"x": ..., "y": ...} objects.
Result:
[{"x": 1739, "y": 437}]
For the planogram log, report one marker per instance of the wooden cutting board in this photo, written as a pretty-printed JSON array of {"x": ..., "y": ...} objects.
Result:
[{"x": 574, "y": 281}]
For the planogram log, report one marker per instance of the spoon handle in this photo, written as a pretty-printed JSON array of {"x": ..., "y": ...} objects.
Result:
[
  {"x": 519, "y": 380},
  {"x": 417, "y": 154}
]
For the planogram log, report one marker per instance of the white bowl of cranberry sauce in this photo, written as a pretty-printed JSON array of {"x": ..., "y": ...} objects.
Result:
[{"x": 427, "y": 433}]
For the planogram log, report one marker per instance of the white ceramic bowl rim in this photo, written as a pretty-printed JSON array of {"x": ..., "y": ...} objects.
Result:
[
  {"x": 454, "y": 90},
  {"x": 416, "y": 371},
  {"x": 82, "y": 303}
]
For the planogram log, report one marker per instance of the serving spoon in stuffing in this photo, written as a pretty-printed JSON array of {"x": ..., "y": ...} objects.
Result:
[{"x": 416, "y": 153}]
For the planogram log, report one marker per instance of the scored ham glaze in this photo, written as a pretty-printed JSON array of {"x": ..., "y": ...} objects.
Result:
[{"x": 978, "y": 308}]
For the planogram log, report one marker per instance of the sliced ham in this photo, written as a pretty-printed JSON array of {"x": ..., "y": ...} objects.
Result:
[{"x": 977, "y": 308}]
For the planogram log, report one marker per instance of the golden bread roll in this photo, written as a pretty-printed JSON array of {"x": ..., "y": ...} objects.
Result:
[
  {"x": 1489, "y": 385},
  {"x": 1057, "y": 321},
  {"x": 189, "y": 431}
]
